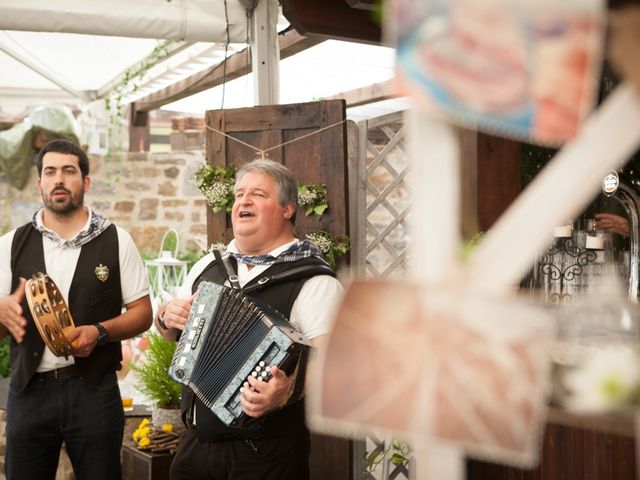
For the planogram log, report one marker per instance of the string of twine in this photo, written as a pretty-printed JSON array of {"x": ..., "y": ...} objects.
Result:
[{"x": 262, "y": 152}]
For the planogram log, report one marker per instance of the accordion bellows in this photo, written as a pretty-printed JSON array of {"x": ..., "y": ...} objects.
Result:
[{"x": 228, "y": 337}]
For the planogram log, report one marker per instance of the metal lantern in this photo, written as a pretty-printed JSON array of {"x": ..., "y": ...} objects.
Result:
[{"x": 166, "y": 273}]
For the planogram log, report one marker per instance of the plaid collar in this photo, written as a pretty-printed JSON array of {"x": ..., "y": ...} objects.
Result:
[
  {"x": 297, "y": 251},
  {"x": 94, "y": 227}
]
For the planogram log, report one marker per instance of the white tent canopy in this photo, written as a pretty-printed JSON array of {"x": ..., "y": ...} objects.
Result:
[
  {"x": 186, "y": 20},
  {"x": 72, "y": 52}
]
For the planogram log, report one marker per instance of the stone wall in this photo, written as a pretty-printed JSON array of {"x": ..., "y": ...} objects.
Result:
[{"x": 145, "y": 193}]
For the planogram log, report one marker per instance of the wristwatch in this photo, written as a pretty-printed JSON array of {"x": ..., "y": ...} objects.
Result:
[
  {"x": 161, "y": 321},
  {"x": 103, "y": 335}
]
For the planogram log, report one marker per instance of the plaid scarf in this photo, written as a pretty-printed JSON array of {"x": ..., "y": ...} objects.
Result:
[
  {"x": 97, "y": 225},
  {"x": 297, "y": 251}
]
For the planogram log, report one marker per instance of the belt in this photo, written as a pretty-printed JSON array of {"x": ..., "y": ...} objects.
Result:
[{"x": 64, "y": 373}]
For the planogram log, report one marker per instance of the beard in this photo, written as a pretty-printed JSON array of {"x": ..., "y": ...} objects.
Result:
[{"x": 70, "y": 204}]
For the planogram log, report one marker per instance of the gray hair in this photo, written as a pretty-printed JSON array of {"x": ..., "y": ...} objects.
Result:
[{"x": 286, "y": 184}]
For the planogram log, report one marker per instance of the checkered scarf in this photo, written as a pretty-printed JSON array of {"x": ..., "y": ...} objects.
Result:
[
  {"x": 297, "y": 251},
  {"x": 97, "y": 225}
]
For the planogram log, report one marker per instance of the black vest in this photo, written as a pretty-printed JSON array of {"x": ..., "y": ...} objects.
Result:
[
  {"x": 90, "y": 301},
  {"x": 280, "y": 295}
]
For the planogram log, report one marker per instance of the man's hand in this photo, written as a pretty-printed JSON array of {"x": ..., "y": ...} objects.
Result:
[
  {"x": 176, "y": 313},
  {"x": 259, "y": 397},
  {"x": 11, "y": 314},
  {"x": 83, "y": 340},
  {"x": 612, "y": 222}
]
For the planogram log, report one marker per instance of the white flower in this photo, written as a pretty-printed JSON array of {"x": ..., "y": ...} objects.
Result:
[
  {"x": 321, "y": 241},
  {"x": 605, "y": 380},
  {"x": 218, "y": 246},
  {"x": 215, "y": 193},
  {"x": 307, "y": 198}
]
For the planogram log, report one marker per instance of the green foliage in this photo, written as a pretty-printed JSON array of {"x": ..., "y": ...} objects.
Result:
[
  {"x": 313, "y": 198},
  {"x": 152, "y": 375},
  {"x": 331, "y": 246},
  {"x": 5, "y": 358},
  {"x": 397, "y": 452},
  {"x": 216, "y": 185}
]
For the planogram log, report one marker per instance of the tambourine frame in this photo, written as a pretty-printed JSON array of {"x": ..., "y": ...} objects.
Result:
[{"x": 50, "y": 313}]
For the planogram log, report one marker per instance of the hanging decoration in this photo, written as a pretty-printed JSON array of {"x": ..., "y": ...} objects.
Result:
[
  {"x": 331, "y": 246},
  {"x": 216, "y": 185},
  {"x": 313, "y": 198}
]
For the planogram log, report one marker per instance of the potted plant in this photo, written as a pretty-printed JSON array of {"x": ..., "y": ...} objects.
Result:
[{"x": 153, "y": 380}]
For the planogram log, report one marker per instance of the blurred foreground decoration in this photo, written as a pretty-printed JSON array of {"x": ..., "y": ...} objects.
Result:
[
  {"x": 441, "y": 365},
  {"x": 457, "y": 365},
  {"x": 514, "y": 68}
]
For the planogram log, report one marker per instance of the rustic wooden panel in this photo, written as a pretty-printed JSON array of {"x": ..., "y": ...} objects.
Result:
[
  {"x": 318, "y": 158},
  {"x": 498, "y": 170},
  {"x": 570, "y": 453},
  {"x": 331, "y": 458}
]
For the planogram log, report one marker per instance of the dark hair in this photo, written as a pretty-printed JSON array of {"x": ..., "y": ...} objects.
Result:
[
  {"x": 67, "y": 147},
  {"x": 286, "y": 183}
]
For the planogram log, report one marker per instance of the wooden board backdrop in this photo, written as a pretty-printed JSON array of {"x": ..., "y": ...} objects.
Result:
[{"x": 318, "y": 158}]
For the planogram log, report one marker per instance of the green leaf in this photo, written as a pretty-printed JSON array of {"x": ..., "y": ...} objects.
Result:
[
  {"x": 319, "y": 210},
  {"x": 398, "y": 459}
]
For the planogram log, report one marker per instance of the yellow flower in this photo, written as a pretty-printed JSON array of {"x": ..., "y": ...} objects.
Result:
[
  {"x": 144, "y": 423},
  {"x": 144, "y": 442},
  {"x": 167, "y": 427}
]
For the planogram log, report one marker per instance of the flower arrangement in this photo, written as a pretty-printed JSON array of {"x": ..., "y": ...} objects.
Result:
[
  {"x": 331, "y": 246},
  {"x": 151, "y": 373},
  {"x": 160, "y": 440},
  {"x": 216, "y": 184},
  {"x": 313, "y": 198},
  {"x": 608, "y": 379}
]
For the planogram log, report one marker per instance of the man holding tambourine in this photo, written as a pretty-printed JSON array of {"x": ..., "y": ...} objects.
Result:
[{"x": 79, "y": 271}]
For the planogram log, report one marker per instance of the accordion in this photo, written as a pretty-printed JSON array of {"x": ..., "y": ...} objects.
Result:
[{"x": 228, "y": 337}]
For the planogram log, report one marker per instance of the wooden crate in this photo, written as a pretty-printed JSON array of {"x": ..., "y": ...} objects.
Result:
[{"x": 140, "y": 465}]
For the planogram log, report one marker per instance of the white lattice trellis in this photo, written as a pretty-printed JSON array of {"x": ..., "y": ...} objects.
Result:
[{"x": 379, "y": 211}]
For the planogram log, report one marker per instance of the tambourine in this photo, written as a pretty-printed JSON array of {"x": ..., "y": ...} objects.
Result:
[{"x": 50, "y": 313}]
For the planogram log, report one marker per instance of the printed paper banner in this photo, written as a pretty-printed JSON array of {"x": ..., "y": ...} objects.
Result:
[
  {"x": 513, "y": 67},
  {"x": 443, "y": 366}
]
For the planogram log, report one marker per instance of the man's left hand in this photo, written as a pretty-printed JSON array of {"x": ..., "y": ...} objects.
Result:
[
  {"x": 83, "y": 340},
  {"x": 259, "y": 397}
]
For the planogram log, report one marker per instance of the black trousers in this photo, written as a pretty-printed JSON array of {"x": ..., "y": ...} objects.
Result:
[{"x": 283, "y": 458}]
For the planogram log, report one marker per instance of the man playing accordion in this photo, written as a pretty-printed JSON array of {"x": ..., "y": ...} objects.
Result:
[{"x": 263, "y": 216}]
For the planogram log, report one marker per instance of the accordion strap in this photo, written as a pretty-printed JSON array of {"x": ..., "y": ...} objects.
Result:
[
  {"x": 231, "y": 273},
  {"x": 292, "y": 274},
  {"x": 296, "y": 273}
]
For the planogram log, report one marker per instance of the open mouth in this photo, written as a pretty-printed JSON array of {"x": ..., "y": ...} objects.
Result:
[{"x": 245, "y": 215}]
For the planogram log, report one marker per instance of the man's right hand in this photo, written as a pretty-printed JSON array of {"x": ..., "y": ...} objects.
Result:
[
  {"x": 11, "y": 312},
  {"x": 176, "y": 312}
]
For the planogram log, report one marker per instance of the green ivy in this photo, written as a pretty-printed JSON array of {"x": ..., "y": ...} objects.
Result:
[{"x": 397, "y": 452}]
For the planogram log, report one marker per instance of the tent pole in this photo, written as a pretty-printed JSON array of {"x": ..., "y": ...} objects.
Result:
[{"x": 265, "y": 54}]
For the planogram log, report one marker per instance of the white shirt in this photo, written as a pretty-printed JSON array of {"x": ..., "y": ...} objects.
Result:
[
  {"x": 312, "y": 311},
  {"x": 60, "y": 261}
]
